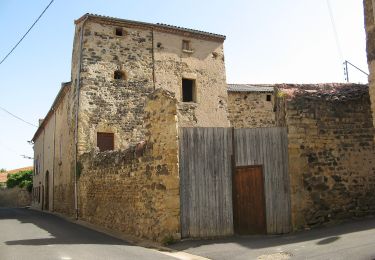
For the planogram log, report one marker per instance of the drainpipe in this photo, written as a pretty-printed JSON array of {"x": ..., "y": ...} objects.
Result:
[
  {"x": 53, "y": 163},
  {"x": 76, "y": 120},
  {"x": 153, "y": 58}
]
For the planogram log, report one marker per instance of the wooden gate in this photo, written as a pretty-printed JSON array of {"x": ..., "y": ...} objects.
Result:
[
  {"x": 248, "y": 201},
  {"x": 206, "y": 182},
  {"x": 208, "y": 158}
]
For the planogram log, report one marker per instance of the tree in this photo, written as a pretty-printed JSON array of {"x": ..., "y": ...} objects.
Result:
[
  {"x": 2, "y": 170},
  {"x": 21, "y": 179}
]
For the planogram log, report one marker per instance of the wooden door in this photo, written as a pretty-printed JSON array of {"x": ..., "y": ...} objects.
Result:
[{"x": 248, "y": 201}]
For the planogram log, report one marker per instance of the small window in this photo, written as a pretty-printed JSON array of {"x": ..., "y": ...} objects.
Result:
[
  {"x": 105, "y": 141},
  {"x": 119, "y": 31},
  {"x": 188, "y": 90},
  {"x": 268, "y": 98},
  {"x": 186, "y": 45},
  {"x": 119, "y": 75}
]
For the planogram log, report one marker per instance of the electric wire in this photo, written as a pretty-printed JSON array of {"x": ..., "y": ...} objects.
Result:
[
  {"x": 17, "y": 117},
  {"x": 335, "y": 31},
  {"x": 15, "y": 46}
]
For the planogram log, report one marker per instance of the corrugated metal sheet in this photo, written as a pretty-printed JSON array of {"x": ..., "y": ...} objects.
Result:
[{"x": 249, "y": 88}]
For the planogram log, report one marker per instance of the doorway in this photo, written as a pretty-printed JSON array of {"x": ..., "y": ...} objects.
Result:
[{"x": 249, "y": 210}]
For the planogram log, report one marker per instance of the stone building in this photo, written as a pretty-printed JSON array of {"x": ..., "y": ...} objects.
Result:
[
  {"x": 251, "y": 105},
  {"x": 369, "y": 13},
  {"x": 125, "y": 75},
  {"x": 148, "y": 109}
]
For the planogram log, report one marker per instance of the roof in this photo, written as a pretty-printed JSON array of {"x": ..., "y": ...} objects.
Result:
[
  {"x": 4, "y": 175},
  {"x": 250, "y": 88},
  {"x": 64, "y": 88},
  {"x": 28, "y": 168},
  {"x": 156, "y": 26}
]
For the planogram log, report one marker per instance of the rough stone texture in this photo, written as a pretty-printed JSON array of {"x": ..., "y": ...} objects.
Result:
[
  {"x": 14, "y": 197},
  {"x": 136, "y": 191},
  {"x": 146, "y": 184},
  {"x": 63, "y": 182},
  {"x": 205, "y": 64},
  {"x": 117, "y": 106},
  {"x": 108, "y": 104},
  {"x": 251, "y": 109},
  {"x": 331, "y": 152},
  {"x": 369, "y": 15}
]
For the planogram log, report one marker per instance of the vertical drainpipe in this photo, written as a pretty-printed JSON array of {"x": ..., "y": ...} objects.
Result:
[
  {"x": 76, "y": 119},
  {"x": 53, "y": 162},
  {"x": 153, "y": 58},
  {"x": 43, "y": 175}
]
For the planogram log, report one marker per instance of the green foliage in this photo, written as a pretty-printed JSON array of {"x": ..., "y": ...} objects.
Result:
[
  {"x": 2, "y": 170},
  {"x": 22, "y": 179}
]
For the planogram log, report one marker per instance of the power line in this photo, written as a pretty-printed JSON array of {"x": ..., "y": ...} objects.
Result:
[
  {"x": 334, "y": 30},
  {"x": 15, "y": 46},
  {"x": 13, "y": 115},
  {"x": 15, "y": 152}
]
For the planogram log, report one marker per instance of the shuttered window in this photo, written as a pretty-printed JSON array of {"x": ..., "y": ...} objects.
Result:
[{"x": 105, "y": 141}]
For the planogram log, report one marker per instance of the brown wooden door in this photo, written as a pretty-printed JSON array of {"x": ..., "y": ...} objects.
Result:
[{"x": 249, "y": 214}]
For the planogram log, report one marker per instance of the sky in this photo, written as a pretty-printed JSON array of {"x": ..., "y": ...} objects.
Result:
[{"x": 274, "y": 41}]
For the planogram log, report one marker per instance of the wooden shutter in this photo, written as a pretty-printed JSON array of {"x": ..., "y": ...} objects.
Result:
[{"x": 105, "y": 141}]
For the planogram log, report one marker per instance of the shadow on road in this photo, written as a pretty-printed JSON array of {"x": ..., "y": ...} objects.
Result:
[
  {"x": 61, "y": 231},
  {"x": 324, "y": 235}
]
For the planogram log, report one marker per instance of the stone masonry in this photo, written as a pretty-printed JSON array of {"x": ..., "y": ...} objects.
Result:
[
  {"x": 369, "y": 13},
  {"x": 119, "y": 69},
  {"x": 136, "y": 191},
  {"x": 331, "y": 152},
  {"x": 251, "y": 106}
]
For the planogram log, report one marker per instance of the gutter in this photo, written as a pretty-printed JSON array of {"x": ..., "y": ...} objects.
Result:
[{"x": 76, "y": 120}]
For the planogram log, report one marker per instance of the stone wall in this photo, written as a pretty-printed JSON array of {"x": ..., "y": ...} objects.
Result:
[
  {"x": 108, "y": 104},
  {"x": 14, "y": 197},
  {"x": 64, "y": 167},
  {"x": 251, "y": 109},
  {"x": 150, "y": 59},
  {"x": 136, "y": 191},
  {"x": 370, "y": 47},
  {"x": 205, "y": 65},
  {"x": 331, "y": 152}
]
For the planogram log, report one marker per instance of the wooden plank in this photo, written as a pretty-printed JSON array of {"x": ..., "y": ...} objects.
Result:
[
  {"x": 268, "y": 147},
  {"x": 205, "y": 180}
]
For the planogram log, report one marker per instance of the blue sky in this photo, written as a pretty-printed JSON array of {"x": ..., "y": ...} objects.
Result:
[{"x": 288, "y": 41}]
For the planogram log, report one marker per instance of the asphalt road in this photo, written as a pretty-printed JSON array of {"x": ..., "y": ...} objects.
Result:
[
  {"x": 352, "y": 241},
  {"x": 28, "y": 234}
]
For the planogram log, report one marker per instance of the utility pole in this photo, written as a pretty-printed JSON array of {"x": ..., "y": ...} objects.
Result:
[{"x": 346, "y": 72}]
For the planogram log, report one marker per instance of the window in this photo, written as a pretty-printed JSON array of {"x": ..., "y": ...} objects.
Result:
[
  {"x": 188, "y": 90},
  {"x": 105, "y": 141},
  {"x": 268, "y": 98},
  {"x": 119, "y": 31},
  {"x": 186, "y": 45},
  {"x": 120, "y": 75}
]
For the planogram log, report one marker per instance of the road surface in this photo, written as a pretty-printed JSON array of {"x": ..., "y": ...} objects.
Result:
[{"x": 28, "y": 234}]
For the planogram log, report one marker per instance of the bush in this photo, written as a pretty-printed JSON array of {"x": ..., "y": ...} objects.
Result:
[{"x": 22, "y": 179}]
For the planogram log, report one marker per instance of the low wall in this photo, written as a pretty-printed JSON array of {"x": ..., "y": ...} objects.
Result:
[
  {"x": 331, "y": 153},
  {"x": 14, "y": 197},
  {"x": 136, "y": 191}
]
